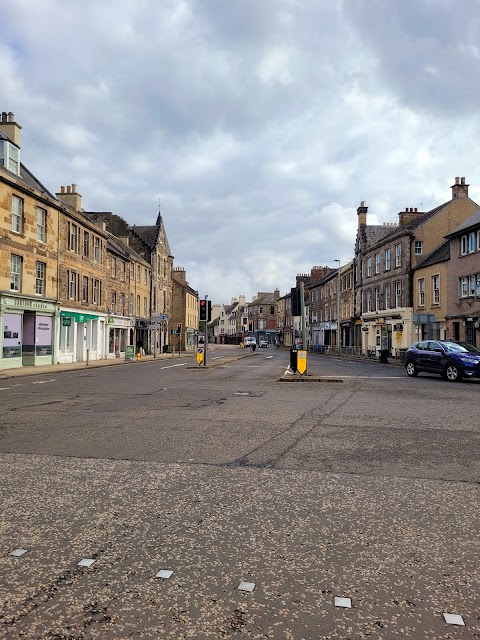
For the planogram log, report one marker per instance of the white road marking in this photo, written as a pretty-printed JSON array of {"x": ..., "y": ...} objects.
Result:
[
  {"x": 43, "y": 381},
  {"x": 180, "y": 364},
  {"x": 268, "y": 357},
  {"x": 4, "y": 388},
  {"x": 17, "y": 385}
]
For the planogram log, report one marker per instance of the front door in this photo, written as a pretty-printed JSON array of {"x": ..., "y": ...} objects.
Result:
[{"x": 80, "y": 341}]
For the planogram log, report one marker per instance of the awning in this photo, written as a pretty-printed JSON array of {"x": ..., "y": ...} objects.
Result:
[{"x": 78, "y": 317}]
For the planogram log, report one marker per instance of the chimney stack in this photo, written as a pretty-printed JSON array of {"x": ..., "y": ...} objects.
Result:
[
  {"x": 410, "y": 213},
  {"x": 459, "y": 189},
  {"x": 70, "y": 197},
  {"x": 10, "y": 128},
  {"x": 362, "y": 213}
]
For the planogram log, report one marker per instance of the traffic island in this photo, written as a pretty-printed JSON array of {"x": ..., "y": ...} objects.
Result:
[{"x": 299, "y": 378}]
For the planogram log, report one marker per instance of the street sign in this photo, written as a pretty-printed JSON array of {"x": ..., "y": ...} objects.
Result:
[
  {"x": 301, "y": 361},
  {"x": 200, "y": 355}
]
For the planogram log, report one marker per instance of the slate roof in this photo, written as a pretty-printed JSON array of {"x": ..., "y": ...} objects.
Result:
[
  {"x": 119, "y": 247},
  {"x": 25, "y": 175},
  {"x": 441, "y": 254},
  {"x": 265, "y": 298},
  {"x": 149, "y": 234},
  {"x": 401, "y": 230},
  {"x": 473, "y": 221}
]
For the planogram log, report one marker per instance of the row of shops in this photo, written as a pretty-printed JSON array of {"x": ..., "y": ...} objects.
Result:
[{"x": 38, "y": 332}]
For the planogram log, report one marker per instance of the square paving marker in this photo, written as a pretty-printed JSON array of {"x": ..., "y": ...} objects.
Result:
[
  {"x": 246, "y": 586},
  {"x": 164, "y": 574},
  {"x": 18, "y": 552},
  {"x": 86, "y": 562},
  {"x": 346, "y": 603},
  {"x": 453, "y": 618}
]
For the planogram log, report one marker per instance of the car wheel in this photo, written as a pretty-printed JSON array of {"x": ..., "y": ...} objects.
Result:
[
  {"x": 453, "y": 373},
  {"x": 411, "y": 369}
]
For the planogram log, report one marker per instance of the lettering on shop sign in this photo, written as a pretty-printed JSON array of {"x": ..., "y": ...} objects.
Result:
[
  {"x": 10, "y": 334},
  {"x": 30, "y": 303}
]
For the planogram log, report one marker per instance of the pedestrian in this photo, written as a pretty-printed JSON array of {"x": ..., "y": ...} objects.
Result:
[{"x": 254, "y": 346}]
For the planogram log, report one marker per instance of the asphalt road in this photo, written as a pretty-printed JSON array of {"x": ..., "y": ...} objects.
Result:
[{"x": 363, "y": 484}]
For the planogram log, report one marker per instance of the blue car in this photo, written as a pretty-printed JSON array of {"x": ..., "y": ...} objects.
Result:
[{"x": 453, "y": 361}]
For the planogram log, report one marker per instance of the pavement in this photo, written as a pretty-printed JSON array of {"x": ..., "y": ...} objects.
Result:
[{"x": 299, "y": 539}]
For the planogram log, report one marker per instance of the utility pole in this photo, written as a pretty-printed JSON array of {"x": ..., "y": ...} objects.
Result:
[{"x": 303, "y": 324}]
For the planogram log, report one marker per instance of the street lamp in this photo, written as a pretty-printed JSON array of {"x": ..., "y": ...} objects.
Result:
[{"x": 338, "y": 306}]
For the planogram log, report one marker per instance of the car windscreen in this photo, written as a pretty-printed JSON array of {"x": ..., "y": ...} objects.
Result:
[{"x": 452, "y": 347}]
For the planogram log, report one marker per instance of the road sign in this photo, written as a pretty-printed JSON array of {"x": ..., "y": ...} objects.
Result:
[
  {"x": 301, "y": 361},
  {"x": 200, "y": 355}
]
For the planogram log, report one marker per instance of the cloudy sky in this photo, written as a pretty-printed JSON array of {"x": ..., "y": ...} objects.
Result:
[{"x": 258, "y": 125}]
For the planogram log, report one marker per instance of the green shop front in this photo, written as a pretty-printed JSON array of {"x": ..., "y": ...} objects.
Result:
[
  {"x": 80, "y": 336},
  {"x": 27, "y": 330}
]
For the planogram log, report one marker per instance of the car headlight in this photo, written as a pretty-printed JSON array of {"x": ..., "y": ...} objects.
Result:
[{"x": 469, "y": 360}]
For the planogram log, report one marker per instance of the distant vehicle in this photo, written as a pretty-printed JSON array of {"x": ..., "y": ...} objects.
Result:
[
  {"x": 453, "y": 361},
  {"x": 249, "y": 341},
  {"x": 263, "y": 344}
]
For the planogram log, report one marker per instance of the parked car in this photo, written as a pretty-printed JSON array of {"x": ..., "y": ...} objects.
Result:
[
  {"x": 451, "y": 360},
  {"x": 263, "y": 344},
  {"x": 249, "y": 341},
  {"x": 469, "y": 347}
]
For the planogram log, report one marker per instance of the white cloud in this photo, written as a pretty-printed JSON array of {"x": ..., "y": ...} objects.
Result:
[{"x": 259, "y": 126}]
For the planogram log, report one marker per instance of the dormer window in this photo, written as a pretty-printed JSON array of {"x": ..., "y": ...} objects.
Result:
[{"x": 10, "y": 156}]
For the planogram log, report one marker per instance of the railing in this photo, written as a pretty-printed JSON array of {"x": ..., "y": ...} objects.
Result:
[{"x": 395, "y": 355}]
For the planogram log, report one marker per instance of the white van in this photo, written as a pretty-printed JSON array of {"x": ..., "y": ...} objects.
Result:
[{"x": 249, "y": 341}]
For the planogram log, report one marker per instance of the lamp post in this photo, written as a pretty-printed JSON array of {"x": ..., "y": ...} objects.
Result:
[{"x": 338, "y": 306}]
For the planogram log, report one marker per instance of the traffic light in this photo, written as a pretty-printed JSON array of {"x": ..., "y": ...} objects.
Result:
[
  {"x": 209, "y": 310},
  {"x": 203, "y": 309},
  {"x": 179, "y": 327},
  {"x": 296, "y": 302},
  {"x": 250, "y": 325}
]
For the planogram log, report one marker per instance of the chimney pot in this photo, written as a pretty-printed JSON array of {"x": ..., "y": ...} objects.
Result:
[
  {"x": 4, "y": 116},
  {"x": 62, "y": 189},
  {"x": 457, "y": 180},
  {"x": 74, "y": 188},
  {"x": 462, "y": 180},
  {"x": 415, "y": 209},
  {"x": 362, "y": 203},
  {"x": 69, "y": 188},
  {"x": 11, "y": 117}
]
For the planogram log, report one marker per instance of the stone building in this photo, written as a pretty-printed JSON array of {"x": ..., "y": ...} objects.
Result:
[
  {"x": 82, "y": 291},
  {"x": 151, "y": 243},
  {"x": 385, "y": 257},
  {"x": 463, "y": 282},
  {"x": 28, "y": 258},
  {"x": 184, "y": 311}
]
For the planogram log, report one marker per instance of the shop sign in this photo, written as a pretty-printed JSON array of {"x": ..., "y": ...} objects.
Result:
[
  {"x": 129, "y": 352},
  {"x": 66, "y": 322},
  {"x": 12, "y": 335},
  {"x": 43, "y": 335}
]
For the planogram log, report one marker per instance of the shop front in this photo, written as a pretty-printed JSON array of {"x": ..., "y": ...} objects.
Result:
[
  {"x": 80, "y": 336},
  {"x": 119, "y": 335},
  {"x": 390, "y": 332},
  {"x": 27, "y": 327}
]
